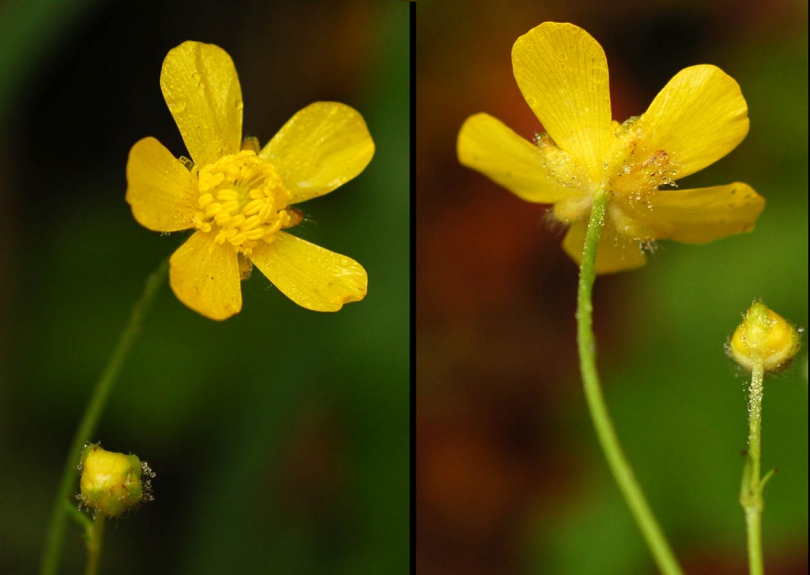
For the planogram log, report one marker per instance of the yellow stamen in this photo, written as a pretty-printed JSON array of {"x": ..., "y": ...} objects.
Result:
[
  {"x": 256, "y": 234},
  {"x": 244, "y": 198},
  {"x": 224, "y": 195},
  {"x": 252, "y": 207},
  {"x": 204, "y": 200}
]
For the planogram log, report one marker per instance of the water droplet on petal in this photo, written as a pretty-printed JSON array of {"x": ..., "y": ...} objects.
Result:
[{"x": 177, "y": 106}]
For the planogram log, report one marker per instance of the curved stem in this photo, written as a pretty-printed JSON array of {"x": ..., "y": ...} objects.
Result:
[
  {"x": 752, "y": 486},
  {"x": 619, "y": 466},
  {"x": 89, "y": 421}
]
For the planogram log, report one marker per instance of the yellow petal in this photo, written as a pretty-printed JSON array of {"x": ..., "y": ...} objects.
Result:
[
  {"x": 161, "y": 191},
  {"x": 204, "y": 275},
  {"x": 311, "y": 276},
  {"x": 562, "y": 72},
  {"x": 700, "y": 215},
  {"x": 489, "y": 146},
  {"x": 699, "y": 117},
  {"x": 320, "y": 148},
  {"x": 616, "y": 253},
  {"x": 200, "y": 85}
]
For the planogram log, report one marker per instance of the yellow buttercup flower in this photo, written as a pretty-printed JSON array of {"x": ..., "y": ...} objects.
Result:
[
  {"x": 699, "y": 117},
  {"x": 239, "y": 198}
]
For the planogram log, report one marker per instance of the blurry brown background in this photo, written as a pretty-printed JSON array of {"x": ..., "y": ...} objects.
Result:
[{"x": 509, "y": 476}]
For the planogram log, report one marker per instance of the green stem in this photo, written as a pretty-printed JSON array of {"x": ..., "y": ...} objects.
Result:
[
  {"x": 751, "y": 494},
  {"x": 81, "y": 518},
  {"x": 619, "y": 466},
  {"x": 89, "y": 421},
  {"x": 94, "y": 543}
]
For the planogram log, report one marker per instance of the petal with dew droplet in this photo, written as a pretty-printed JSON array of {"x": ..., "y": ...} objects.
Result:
[
  {"x": 311, "y": 276},
  {"x": 700, "y": 215},
  {"x": 160, "y": 190},
  {"x": 204, "y": 275},
  {"x": 486, "y": 144},
  {"x": 699, "y": 117},
  {"x": 320, "y": 148},
  {"x": 201, "y": 88},
  {"x": 563, "y": 74}
]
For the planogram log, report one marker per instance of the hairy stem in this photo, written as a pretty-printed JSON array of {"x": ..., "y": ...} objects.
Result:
[
  {"x": 751, "y": 493},
  {"x": 619, "y": 466}
]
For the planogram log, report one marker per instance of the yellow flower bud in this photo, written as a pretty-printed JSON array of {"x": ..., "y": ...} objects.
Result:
[
  {"x": 764, "y": 336},
  {"x": 111, "y": 482}
]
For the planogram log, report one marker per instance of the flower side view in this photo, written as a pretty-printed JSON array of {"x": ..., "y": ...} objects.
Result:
[
  {"x": 237, "y": 197},
  {"x": 699, "y": 117}
]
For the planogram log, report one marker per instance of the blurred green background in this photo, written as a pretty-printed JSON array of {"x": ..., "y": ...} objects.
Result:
[
  {"x": 510, "y": 478},
  {"x": 280, "y": 437}
]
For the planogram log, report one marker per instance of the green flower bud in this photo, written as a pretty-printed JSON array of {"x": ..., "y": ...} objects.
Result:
[
  {"x": 111, "y": 482},
  {"x": 764, "y": 336}
]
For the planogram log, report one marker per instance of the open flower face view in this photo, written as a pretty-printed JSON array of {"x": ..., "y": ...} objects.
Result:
[
  {"x": 237, "y": 197},
  {"x": 699, "y": 117}
]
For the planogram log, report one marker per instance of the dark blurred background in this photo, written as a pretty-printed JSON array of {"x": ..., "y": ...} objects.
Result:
[
  {"x": 510, "y": 478},
  {"x": 279, "y": 437}
]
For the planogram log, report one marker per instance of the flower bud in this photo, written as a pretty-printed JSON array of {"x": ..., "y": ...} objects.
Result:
[
  {"x": 764, "y": 336},
  {"x": 111, "y": 482}
]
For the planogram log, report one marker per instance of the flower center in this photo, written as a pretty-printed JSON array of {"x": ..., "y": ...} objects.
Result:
[
  {"x": 243, "y": 200},
  {"x": 631, "y": 174},
  {"x": 635, "y": 174}
]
